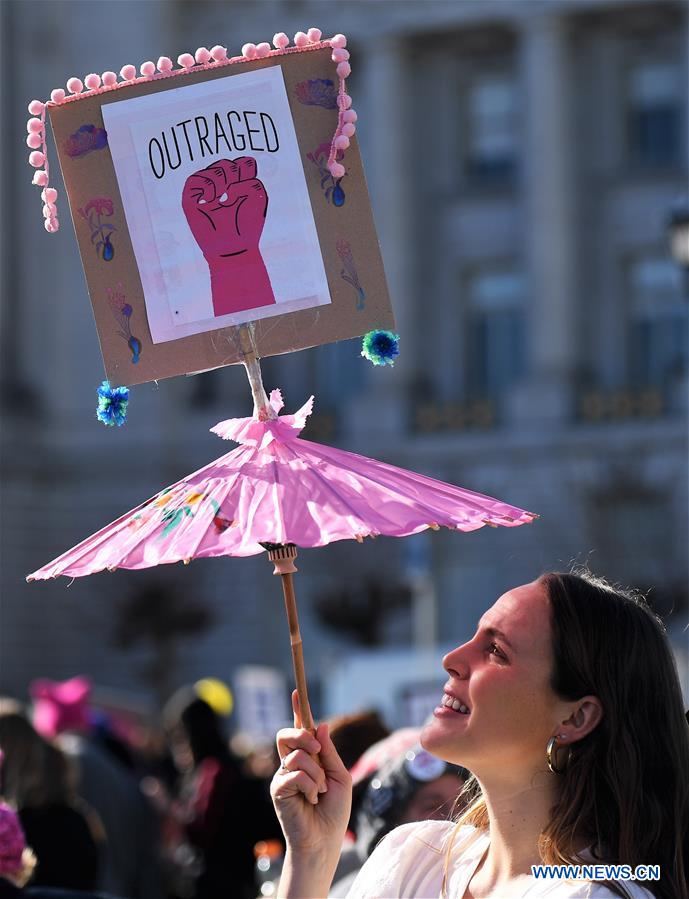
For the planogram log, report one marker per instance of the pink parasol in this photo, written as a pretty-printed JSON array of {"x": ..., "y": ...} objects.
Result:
[{"x": 277, "y": 491}]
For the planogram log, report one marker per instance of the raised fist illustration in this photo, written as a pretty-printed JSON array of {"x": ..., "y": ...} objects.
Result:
[{"x": 225, "y": 206}]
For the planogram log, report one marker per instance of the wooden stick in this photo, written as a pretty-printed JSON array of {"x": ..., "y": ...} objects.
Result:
[
  {"x": 297, "y": 653},
  {"x": 253, "y": 372},
  {"x": 283, "y": 557}
]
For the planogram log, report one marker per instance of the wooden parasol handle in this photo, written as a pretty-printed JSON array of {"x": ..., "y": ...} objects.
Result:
[{"x": 283, "y": 557}]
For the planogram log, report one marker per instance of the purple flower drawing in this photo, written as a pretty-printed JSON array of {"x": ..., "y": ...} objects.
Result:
[
  {"x": 86, "y": 139},
  {"x": 317, "y": 92},
  {"x": 122, "y": 310},
  {"x": 331, "y": 186}
]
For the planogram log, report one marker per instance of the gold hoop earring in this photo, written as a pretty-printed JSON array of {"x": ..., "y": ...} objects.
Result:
[{"x": 550, "y": 753}]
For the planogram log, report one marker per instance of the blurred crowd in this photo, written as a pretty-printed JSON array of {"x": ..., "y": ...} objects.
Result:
[{"x": 93, "y": 804}]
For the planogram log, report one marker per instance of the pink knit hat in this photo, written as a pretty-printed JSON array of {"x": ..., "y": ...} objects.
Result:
[
  {"x": 60, "y": 705},
  {"x": 12, "y": 841}
]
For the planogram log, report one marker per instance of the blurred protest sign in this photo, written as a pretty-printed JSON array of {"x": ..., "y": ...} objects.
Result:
[{"x": 261, "y": 701}]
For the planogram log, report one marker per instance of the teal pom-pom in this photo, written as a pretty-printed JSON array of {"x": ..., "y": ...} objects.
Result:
[
  {"x": 381, "y": 347},
  {"x": 112, "y": 404}
]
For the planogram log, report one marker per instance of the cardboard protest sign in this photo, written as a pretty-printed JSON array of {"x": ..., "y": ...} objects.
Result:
[{"x": 203, "y": 203}]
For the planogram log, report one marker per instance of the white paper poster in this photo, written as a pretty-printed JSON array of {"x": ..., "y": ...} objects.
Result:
[{"x": 216, "y": 203}]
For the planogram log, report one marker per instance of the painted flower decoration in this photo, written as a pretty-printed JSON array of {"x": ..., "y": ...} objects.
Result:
[
  {"x": 84, "y": 140},
  {"x": 317, "y": 92},
  {"x": 381, "y": 347},
  {"x": 112, "y": 404},
  {"x": 101, "y": 205}
]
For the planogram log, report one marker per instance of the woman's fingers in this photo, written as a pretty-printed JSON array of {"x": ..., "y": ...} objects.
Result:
[
  {"x": 295, "y": 709},
  {"x": 291, "y": 738},
  {"x": 302, "y": 761},
  {"x": 290, "y": 783}
]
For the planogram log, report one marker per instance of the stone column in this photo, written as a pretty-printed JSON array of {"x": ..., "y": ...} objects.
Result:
[{"x": 549, "y": 223}]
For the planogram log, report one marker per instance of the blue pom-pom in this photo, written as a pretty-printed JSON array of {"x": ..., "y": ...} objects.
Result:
[
  {"x": 112, "y": 404},
  {"x": 381, "y": 347}
]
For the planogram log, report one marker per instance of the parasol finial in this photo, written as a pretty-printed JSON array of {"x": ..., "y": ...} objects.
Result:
[{"x": 282, "y": 556}]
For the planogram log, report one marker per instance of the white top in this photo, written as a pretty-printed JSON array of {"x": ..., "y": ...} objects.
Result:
[{"x": 409, "y": 864}]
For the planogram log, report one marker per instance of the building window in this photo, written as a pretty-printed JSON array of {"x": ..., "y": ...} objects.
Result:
[
  {"x": 654, "y": 117},
  {"x": 495, "y": 332},
  {"x": 491, "y": 120},
  {"x": 658, "y": 322}
]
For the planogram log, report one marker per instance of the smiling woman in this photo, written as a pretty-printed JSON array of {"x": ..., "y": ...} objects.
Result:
[{"x": 566, "y": 707}]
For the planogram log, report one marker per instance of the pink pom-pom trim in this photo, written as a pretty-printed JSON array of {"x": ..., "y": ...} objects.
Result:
[
  {"x": 349, "y": 116},
  {"x": 93, "y": 82},
  {"x": 345, "y": 123}
]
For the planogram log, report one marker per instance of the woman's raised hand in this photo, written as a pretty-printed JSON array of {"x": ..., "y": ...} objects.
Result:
[{"x": 312, "y": 790}]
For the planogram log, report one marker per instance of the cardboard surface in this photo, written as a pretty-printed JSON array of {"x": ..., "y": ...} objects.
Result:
[{"x": 330, "y": 259}]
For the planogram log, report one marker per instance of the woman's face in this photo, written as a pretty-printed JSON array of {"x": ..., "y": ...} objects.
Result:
[{"x": 501, "y": 678}]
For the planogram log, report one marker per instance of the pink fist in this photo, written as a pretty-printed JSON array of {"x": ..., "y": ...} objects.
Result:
[{"x": 225, "y": 206}]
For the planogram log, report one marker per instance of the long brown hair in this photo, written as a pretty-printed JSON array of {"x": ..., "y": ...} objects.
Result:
[
  {"x": 626, "y": 786},
  {"x": 34, "y": 773}
]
